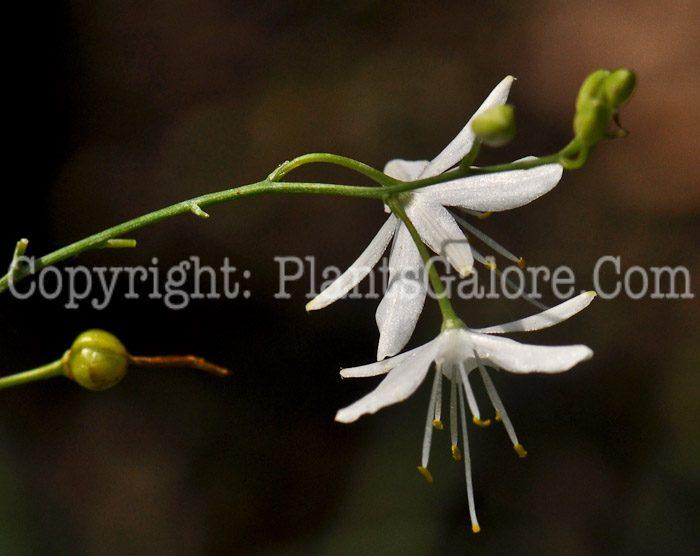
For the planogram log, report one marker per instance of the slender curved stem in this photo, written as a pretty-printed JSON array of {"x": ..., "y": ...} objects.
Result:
[
  {"x": 103, "y": 238},
  {"x": 390, "y": 186},
  {"x": 40, "y": 373},
  {"x": 448, "y": 312},
  {"x": 359, "y": 167},
  {"x": 189, "y": 361}
]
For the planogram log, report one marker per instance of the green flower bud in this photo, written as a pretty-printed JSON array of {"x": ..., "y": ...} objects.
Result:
[
  {"x": 591, "y": 122},
  {"x": 97, "y": 360},
  {"x": 495, "y": 126},
  {"x": 618, "y": 86},
  {"x": 591, "y": 88}
]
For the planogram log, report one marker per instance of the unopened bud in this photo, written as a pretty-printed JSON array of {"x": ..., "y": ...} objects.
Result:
[
  {"x": 495, "y": 126},
  {"x": 618, "y": 86},
  {"x": 601, "y": 94},
  {"x": 592, "y": 88},
  {"x": 97, "y": 360},
  {"x": 591, "y": 122}
]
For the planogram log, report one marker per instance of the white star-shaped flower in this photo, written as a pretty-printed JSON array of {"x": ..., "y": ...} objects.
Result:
[
  {"x": 403, "y": 301},
  {"x": 456, "y": 352}
]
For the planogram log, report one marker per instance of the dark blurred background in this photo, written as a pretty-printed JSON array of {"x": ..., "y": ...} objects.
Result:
[{"x": 121, "y": 107}]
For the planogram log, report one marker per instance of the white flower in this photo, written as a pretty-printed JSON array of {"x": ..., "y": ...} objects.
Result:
[
  {"x": 456, "y": 352},
  {"x": 403, "y": 301}
]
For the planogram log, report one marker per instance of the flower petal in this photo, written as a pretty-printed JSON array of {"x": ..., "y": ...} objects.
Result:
[
  {"x": 403, "y": 301},
  {"x": 381, "y": 367},
  {"x": 398, "y": 385},
  {"x": 495, "y": 192},
  {"x": 441, "y": 233},
  {"x": 523, "y": 358},
  {"x": 405, "y": 170},
  {"x": 458, "y": 148},
  {"x": 358, "y": 270},
  {"x": 545, "y": 319}
]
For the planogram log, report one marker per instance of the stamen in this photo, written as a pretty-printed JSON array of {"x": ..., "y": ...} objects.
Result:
[
  {"x": 487, "y": 240},
  {"x": 481, "y": 423},
  {"x": 453, "y": 409},
  {"x": 430, "y": 423},
  {"x": 501, "y": 414},
  {"x": 489, "y": 263},
  {"x": 479, "y": 214},
  {"x": 525, "y": 296},
  {"x": 468, "y": 467},
  {"x": 438, "y": 402},
  {"x": 456, "y": 453},
  {"x": 520, "y": 450},
  {"x": 424, "y": 471},
  {"x": 470, "y": 396}
]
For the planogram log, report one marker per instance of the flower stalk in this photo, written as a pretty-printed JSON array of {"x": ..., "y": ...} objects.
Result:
[
  {"x": 448, "y": 313},
  {"x": 49, "y": 370}
]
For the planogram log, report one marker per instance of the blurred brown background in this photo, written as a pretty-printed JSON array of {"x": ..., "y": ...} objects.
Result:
[{"x": 118, "y": 108}]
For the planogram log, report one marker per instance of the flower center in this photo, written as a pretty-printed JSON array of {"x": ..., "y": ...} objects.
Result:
[{"x": 461, "y": 398}]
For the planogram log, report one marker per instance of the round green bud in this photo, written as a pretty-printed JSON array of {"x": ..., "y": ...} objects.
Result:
[
  {"x": 618, "y": 86},
  {"x": 97, "y": 360},
  {"x": 591, "y": 88},
  {"x": 495, "y": 126},
  {"x": 591, "y": 122}
]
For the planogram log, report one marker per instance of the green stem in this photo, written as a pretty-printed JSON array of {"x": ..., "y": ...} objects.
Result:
[
  {"x": 111, "y": 236},
  {"x": 576, "y": 163},
  {"x": 106, "y": 237},
  {"x": 464, "y": 171},
  {"x": 469, "y": 159},
  {"x": 40, "y": 373},
  {"x": 521, "y": 165},
  {"x": 448, "y": 312},
  {"x": 355, "y": 165}
]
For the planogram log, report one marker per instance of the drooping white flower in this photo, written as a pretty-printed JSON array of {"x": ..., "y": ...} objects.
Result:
[
  {"x": 456, "y": 352},
  {"x": 403, "y": 301}
]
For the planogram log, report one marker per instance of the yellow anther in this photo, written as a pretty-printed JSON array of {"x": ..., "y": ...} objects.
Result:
[
  {"x": 484, "y": 215},
  {"x": 475, "y": 527},
  {"x": 498, "y": 417},
  {"x": 490, "y": 265},
  {"x": 522, "y": 263},
  {"x": 438, "y": 424},
  {"x": 456, "y": 453},
  {"x": 424, "y": 471},
  {"x": 520, "y": 450},
  {"x": 481, "y": 423}
]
